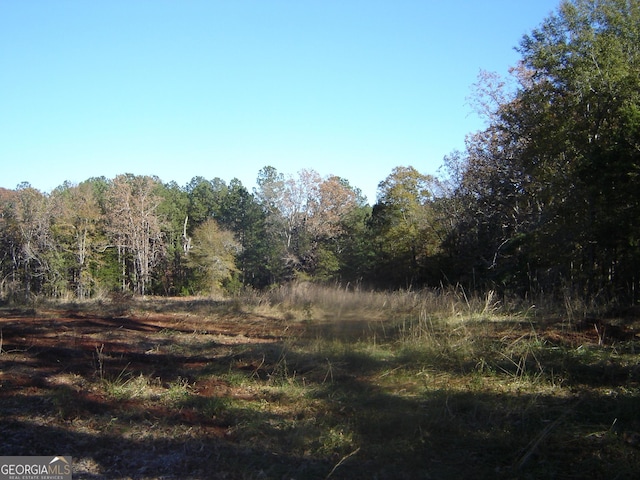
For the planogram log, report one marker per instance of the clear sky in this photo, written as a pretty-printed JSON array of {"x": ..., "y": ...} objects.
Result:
[{"x": 212, "y": 88}]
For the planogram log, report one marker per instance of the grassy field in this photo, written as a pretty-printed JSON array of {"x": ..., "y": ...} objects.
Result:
[{"x": 308, "y": 382}]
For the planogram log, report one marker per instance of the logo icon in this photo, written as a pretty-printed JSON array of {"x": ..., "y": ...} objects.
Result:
[{"x": 36, "y": 468}]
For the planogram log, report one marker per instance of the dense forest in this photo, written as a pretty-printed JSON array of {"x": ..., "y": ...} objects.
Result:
[{"x": 545, "y": 199}]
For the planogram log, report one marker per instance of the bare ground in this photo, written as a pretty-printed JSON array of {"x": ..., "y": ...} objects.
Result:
[
  {"x": 53, "y": 400},
  {"x": 182, "y": 389}
]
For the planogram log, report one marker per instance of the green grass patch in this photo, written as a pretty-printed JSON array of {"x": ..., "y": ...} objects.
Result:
[{"x": 309, "y": 382}]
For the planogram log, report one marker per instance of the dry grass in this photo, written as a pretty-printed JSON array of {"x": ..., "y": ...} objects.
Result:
[{"x": 314, "y": 382}]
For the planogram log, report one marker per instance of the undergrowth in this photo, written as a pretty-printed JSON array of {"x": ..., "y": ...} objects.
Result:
[{"x": 304, "y": 381}]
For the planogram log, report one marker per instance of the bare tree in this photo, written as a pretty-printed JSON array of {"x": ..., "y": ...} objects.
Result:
[
  {"x": 135, "y": 226},
  {"x": 76, "y": 222},
  {"x": 33, "y": 219}
]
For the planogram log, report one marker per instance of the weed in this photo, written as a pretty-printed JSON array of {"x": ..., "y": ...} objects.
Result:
[
  {"x": 336, "y": 440},
  {"x": 279, "y": 373},
  {"x": 307, "y": 308},
  {"x": 177, "y": 392},
  {"x": 100, "y": 359},
  {"x": 126, "y": 387},
  {"x": 214, "y": 406},
  {"x": 386, "y": 384}
]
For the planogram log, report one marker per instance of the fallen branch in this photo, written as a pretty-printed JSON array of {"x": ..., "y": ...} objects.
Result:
[{"x": 342, "y": 460}]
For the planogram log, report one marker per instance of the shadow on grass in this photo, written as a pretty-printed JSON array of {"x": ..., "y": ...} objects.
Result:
[
  {"x": 458, "y": 432},
  {"x": 437, "y": 435},
  {"x": 112, "y": 456},
  {"x": 357, "y": 424}
]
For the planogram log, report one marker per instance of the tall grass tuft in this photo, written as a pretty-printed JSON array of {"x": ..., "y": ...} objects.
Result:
[{"x": 453, "y": 302}]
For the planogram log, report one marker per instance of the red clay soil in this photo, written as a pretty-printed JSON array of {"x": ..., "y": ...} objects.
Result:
[{"x": 52, "y": 399}]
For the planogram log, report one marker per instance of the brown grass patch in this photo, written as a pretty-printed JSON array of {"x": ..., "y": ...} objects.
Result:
[{"x": 315, "y": 383}]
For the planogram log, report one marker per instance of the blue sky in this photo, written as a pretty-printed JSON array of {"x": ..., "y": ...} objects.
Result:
[{"x": 211, "y": 88}]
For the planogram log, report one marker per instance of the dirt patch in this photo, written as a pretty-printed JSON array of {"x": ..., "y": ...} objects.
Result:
[
  {"x": 204, "y": 390},
  {"x": 128, "y": 396}
]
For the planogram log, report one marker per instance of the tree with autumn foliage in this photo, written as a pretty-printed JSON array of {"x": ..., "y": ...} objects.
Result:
[{"x": 306, "y": 215}]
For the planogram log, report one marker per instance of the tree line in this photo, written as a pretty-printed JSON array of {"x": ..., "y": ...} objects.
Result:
[{"x": 545, "y": 198}]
